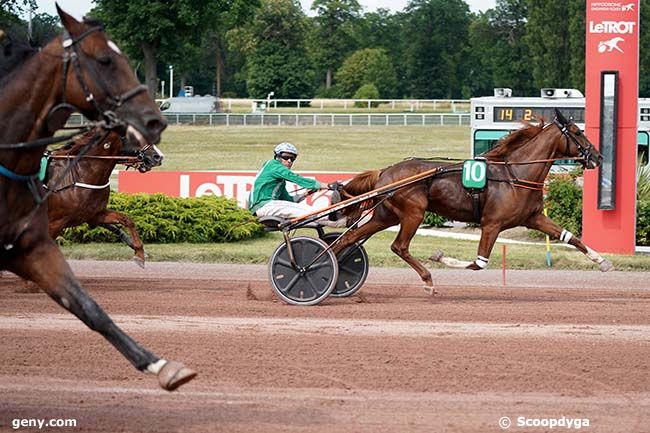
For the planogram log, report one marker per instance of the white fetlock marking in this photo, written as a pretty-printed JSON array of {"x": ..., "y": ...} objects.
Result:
[
  {"x": 593, "y": 255},
  {"x": 454, "y": 263},
  {"x": 65, "y": 303},
  {"x": 481, "y": 262},
  {"x": 155, "y": 367},
  {"x": 566, "y": 236}
]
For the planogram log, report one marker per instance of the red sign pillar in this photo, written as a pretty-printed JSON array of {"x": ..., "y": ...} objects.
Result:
[{"x": 612, "y": 45}]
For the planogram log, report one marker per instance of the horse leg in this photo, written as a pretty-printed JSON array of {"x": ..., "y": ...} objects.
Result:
[
  {"x": 45, "y": 265},
  {"x": 365, "y": 231},
  {"x": 546, "y": 225},
  {"x": 108, "y": 216},
  {"x": 489, "y": 236},
  {"x": 400, "y": 246},
  {"x": 117, "y": 231}
]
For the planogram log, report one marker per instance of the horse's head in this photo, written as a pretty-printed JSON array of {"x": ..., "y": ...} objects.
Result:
[
  {"x": 576, "y": 143},
  {"x": 148, "y": 155},
  {"x": 99, "y": 82},
  {"x": 149, "y": 158}
]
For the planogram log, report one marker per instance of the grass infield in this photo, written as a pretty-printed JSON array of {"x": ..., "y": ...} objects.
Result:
[{"x": 329, "y": 149}]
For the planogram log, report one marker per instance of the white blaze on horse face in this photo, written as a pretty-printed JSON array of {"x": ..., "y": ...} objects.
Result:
[
  {"x": 155, "y": 148},
  {"x": 136, "y": 134},
  {"x": 113, "y": 46}
]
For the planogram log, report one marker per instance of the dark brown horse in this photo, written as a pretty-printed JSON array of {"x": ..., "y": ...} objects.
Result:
[
  {"x": 84, "y": 71},
  {"x": 516, "y": 169},
  {"x": 81, "y": 196}
]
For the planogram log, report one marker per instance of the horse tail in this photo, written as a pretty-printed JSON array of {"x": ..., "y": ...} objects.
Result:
[{"x": 359, "y": 184}]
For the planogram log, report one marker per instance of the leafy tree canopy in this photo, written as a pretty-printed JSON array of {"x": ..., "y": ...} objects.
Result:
[
  {"x": 367, "y": 66},
  {"x": 275, "y": 49}
]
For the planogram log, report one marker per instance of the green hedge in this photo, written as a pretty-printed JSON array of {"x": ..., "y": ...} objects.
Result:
[
  {"x": 163, "y": 219},
  {"x": 564, "y": 204},
  {"x": 434, "y": 220},
  {"x": 643, "y": 222}
]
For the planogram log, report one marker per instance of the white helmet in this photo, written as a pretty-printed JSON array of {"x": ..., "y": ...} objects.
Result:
[{"x": 285, "y": 147}]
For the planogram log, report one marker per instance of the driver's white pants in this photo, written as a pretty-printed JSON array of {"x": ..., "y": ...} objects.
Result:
[{"x": 287, "y": 209}]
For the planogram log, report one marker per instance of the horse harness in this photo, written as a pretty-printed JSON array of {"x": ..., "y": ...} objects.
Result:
[
  {"x": 71, "y": 55},
  {"x": 109, "y": 122}
]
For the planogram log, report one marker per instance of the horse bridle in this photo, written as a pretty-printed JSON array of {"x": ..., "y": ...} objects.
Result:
[
  {"x": 109, "y": 121},
  {"x": 71, "y": 55},
  {"x": 133, "y": 158},
  {"x": 563, "y": 125}
]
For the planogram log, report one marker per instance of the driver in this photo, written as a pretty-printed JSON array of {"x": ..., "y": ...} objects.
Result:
[{"x": 269, "y": 196}]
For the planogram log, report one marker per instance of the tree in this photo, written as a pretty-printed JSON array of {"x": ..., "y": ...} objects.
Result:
[
  {"x": 147, "y": 28},
  {"x": 11, "y": 9},
  {"x": 45, "y": 27},
  {"x": 499, "y": 56},
  {"x": 335, "y": 24},
  {"x": 480, "y": 65},
  {"x": 644, "y": 52},
  {"x": 547, "y": 37},
  {"x": 275, "y": 50},
  {"x": 437, "y": 31},
  {"x": 577, "y": 12},
  {"x": 367, "y": 66},
  {"x": 381, "y": 29},
  {"x": 238, "y": 13}
]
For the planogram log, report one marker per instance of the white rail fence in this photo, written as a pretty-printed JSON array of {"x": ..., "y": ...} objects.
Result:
[
  {"x": 308, "y": 119},
  {"x": 447, "y": 105}
]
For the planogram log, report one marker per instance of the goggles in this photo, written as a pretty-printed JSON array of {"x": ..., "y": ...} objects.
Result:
[{"x": 288, "y": 157}]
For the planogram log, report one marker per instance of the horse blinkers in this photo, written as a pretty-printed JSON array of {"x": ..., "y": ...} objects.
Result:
[{"x": 591, "y": 158}]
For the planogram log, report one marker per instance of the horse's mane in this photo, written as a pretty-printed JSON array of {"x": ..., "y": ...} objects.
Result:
[
  {"x": 515, "y": 139},
  {"x": 360, "y": 183},
  {"x": 15, "y": 49},
  {"x": 93, "y": 22},
  {"x": 73, "y": 147}
]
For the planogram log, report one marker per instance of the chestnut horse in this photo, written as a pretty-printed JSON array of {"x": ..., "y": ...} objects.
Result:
[
  {"x": 84, "y": 71},
  {"x": 516, "y": 169},
  {"x": 81, "y": 196}
]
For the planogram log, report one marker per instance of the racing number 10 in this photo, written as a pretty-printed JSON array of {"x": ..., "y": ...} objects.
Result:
[{"x": 474, "y": 174}]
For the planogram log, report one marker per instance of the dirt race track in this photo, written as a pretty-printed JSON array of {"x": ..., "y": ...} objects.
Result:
[{"x": 573, "y": 347}]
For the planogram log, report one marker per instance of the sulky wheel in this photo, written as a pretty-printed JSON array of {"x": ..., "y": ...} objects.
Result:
[
  {"x": 312, "y": 279},
  {"x": 353, "y": 268}
]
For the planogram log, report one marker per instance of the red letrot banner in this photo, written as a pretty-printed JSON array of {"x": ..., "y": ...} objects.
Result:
[
  {"x": 230, "y": 184},
  {"x": 612, "y": 45}
]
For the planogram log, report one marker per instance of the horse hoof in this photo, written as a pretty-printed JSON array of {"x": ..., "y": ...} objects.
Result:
[
  {"x": 436, "y": 256},
  {"x": 174, "y": 374},
  {"x": 139, "y": 261},
  {"x": 606, "y": 266},
  {"x": 430, "y": 290}
]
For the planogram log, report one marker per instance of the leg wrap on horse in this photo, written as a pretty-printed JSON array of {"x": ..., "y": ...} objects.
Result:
[
  {"x": 481, "y": 262},
  {"x": 566, "y": 236},
  {"x": 593, "y": 255}
]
